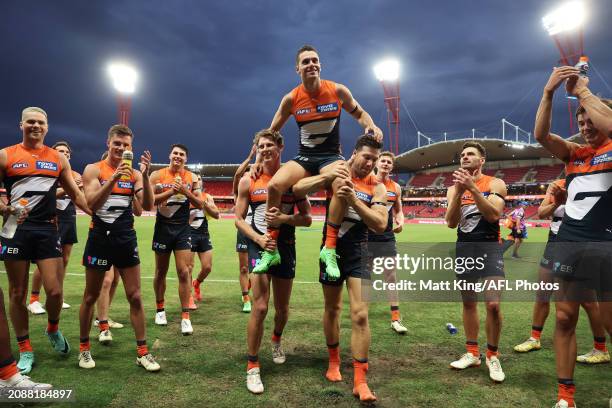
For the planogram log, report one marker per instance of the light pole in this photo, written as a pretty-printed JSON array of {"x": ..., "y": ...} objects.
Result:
[
  {"x": 124, "y": 80},
  {"x": 565, "y": 27},
  {"x": 387, "y": 72}
]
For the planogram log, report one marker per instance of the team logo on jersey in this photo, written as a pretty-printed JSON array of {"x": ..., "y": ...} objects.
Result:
[
  {"x": 328, "y": 107},
  {"x": 303, "y": 111},
  {"x": 45, "y": 165},
  {"x": 602, "y": 158},
  {"x": 578, "y": 162},
  {"x": 125, "y": 184},
  {"x": 20, "y": 166},
  {"x": 260, "y": 191},
  {"x": 363, "y": 196}
]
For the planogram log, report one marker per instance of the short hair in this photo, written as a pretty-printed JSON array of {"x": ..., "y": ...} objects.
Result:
[
  {"x": 304, "y": 48},
  {"x": 119, "y": 130},
  {"x": 481, "y": 149},
  {"x": 388, "y": 153},
  {"x": 273, "y": 135},
  {"x": 369, "y": 141},
  {"x": 33, "y": 109},
  {"x": 580, "y": 110},
  {"x": 62, "y": 143},
  {"x": 180, "y": 146}
]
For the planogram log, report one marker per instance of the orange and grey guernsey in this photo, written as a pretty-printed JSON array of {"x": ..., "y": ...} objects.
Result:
[
  {"x": 472, "y": 225},
  {"x": 116, "y": 212},
  {"x": 197, "y": 217},
  {"x": 318, "y": 118},
  {"x": 353, "y": 229},
  {"x": 394, "y": 193},
  {"x": 588, "y": 215},
  {"x": 32, "y": 174},
  {"x": 64, "y": 206},
  {"x": 258, "y": 195},
  {"x": 175, "y": 210}
]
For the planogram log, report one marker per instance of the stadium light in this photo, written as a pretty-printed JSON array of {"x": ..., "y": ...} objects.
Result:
[
  {"x": 387, "y": 70},
  {"x": 565, "y": 18},
  {"x": 124, "y": 79}
]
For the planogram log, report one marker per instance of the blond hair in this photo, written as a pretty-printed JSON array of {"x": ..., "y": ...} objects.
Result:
[{"x": 33, "y": 109}]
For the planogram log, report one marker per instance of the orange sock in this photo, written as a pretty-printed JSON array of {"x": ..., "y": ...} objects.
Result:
[
  {"x": 276, "y": 338},
  {"x": 331, "y": 235},
  {"x": 103, "y": 325},
  {"x": 34, "y": 297},
  {"x": 141, "y": 348},
  {"x": 8, "y": 370},
  {"x": 84, "y": 344},
  {"x": 160, "y": 305},
  {"x": 252, "y": 362},
  {"x": 395, "y": 315},
  {"x": 185, "y": 315},
  {"x": 52, "y": 326},
  {"x": 536, "y": 332},
  {"x": 273, "y": 232},
  {"x": 599, "y": 343},
  {"x": 360, "y": 384},
  {"x": 24, "y": 344},
  {"x": 566, "y": 392},
  {"x": 472, "y": 347},
  {"x": 492, "y": 351},
  {"x": 333, "y": 369},
  {"x": 246, "y": 298}
]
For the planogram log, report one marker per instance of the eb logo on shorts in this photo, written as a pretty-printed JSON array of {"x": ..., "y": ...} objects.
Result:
[
  {"x": 157, "y": 245},
  {"x": 8, "y": 250},
  {"x": 92, "y": 260}
]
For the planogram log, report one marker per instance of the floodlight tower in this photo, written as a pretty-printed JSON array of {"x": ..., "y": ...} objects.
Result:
[
  {"x": 387, "y": 72},
  {"x": 124, "y": 80},
  {"x": 565, "y": 26}
]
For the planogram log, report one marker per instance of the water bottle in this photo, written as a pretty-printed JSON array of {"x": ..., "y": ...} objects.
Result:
[
  {"x": 127, "y": 158},
  {"x": 583, "y": 65},
  {"x": 10, "y": 226},
  {"x": 451, "y": 328}
]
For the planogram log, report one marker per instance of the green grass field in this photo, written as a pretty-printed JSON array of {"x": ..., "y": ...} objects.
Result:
[{"x": 208, "y": 368}]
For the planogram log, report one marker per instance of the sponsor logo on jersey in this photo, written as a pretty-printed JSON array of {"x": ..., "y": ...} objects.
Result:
[
  {"x": 363, "y": 196},
  {"x": 602, "y": 158},
  {"x": 260, "y": 191},
  {"x": 578, "y": 162},
  {"x": 20, "y": 166},
  {"x": 303, "y": 111},
  {"x": 125, "y": 184},
  {"x": 328, "y": 107},
  {"x": 45, "y": 165}
]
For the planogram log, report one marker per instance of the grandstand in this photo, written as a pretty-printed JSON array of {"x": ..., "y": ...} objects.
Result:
[{"x": 526, "y": 168}]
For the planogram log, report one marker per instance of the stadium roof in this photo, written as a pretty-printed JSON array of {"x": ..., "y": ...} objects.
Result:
[{"x": 447, "y": 153}]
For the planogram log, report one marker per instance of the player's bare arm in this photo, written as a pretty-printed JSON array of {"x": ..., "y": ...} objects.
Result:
[
  {"x": 283, "y": 113},
  {"x": 210, "y": 207},
  {"x": 555, "y": 196},
  {"x": 376, "y": 216},
  {"x": 240, "y": 211},
  {"x": 599, "y": 113},
  {"x": 69, "y": 185},
  {"x": 161, "y": 196},
  {"x": 398, "y": 215},
  {"x": 321, "y": 181},
  {"x": 352, "y": 106},
  {"x": 97, "y": 194},
  {"x": 453, "y": 209},
  {"x": 242, "y": 169},
  {"x": 193, "y": 193},
  {"x": 553, "y": 143},
  {"x": 492, "y": 206},
  {"x": 302, "y": 218}
]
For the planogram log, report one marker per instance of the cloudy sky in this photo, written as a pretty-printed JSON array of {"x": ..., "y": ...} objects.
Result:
[{"x": 213, "y": 73}]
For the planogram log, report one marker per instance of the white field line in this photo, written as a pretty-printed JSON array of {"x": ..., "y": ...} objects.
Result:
[{"x": 173, "y": 278}]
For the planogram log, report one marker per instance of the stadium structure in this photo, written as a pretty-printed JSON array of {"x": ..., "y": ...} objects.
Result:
[{"x": 526, "y": 168}]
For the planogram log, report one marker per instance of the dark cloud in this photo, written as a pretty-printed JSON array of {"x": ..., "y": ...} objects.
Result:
[{"x": 212, "y": 73}]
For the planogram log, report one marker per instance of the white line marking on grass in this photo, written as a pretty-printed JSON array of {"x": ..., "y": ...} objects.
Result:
[{"x": 174, "y": 279}]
